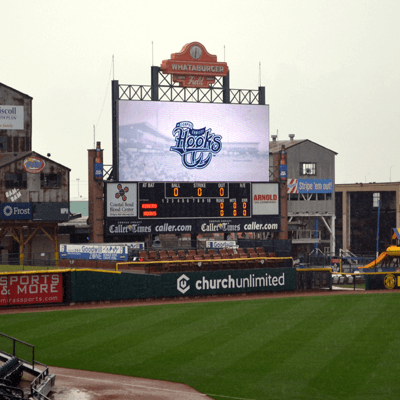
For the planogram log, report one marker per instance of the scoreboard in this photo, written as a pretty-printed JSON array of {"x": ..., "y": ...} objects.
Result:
[
  {"x": 134, "y": 208},
  {"x": 194, "y": 200}
]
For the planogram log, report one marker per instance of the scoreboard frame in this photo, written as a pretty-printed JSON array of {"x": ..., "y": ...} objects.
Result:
[{"x": 134, "y": 208}]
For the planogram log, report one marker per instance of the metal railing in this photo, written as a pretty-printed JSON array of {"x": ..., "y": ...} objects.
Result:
[
  {"x": 14, "y": 353},
  {"x": 35, "y": 384}
]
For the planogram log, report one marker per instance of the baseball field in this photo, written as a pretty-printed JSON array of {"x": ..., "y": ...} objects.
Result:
[{"x": 314, "y": 347}]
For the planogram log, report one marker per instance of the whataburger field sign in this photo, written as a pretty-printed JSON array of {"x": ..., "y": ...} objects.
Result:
[{"x": 194, "y": 66}]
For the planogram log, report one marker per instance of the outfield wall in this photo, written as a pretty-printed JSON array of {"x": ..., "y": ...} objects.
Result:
[
  {"x": 76, "y": 285},
  {"x": 94, "y": 286},
  {"x": 382, "y": 280}
]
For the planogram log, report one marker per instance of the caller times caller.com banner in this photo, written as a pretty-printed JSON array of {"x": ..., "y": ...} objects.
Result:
[{"x": 21, "y": 289}]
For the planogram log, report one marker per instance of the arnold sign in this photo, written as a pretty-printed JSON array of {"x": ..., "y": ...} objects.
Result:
[{"x": 194, "y": 66}]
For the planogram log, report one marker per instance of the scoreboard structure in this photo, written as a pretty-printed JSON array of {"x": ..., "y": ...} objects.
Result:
[
  {"x": 136, "y": 208},
  {"x": 182, "y": 164}
]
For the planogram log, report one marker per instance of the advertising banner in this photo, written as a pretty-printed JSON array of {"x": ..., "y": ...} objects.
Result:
[
  {"x": 220, "y": 244},
  {"x": 121, "y": 200},
  {"x": 228, "y": 281},
  {"x": 265, "y": 199},
  {"x": 16, "y": 211},
  {"x": 117, "y": 227},
  {"x": 310, "y": 186},
  {"x": 94, "y": 252},
  {"x": 11, "y": 117},
  {"x": 130, "y": 245},
  {"x": 33, "y": 165},
  {"x": 20, "y": 289}
]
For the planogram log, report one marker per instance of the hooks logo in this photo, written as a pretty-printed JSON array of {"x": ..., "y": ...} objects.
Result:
[
  {"x": 195, "y": 146},
  {"x": 121, "y": 192},
  {"x": 182, "y": 284}
]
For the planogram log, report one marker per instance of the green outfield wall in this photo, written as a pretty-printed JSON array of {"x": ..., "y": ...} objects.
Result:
[
  {"x": 382, "y": 280},
  {"x": 83, "y": 286}
]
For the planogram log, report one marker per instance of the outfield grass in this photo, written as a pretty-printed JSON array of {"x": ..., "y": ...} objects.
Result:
[{"x": 322, "y": 347}]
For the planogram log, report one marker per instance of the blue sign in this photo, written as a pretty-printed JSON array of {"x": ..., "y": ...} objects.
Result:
[
  {"x": 283, "y": 171},
  {"x": 16, "y": 211},
  {"x": 98, "y": 170},
  {"x": 315, "y": 186},
  {"x": 94, "y": 252}
]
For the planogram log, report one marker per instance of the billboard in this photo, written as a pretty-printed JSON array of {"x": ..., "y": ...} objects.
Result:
[
  {"x": 229, "y": 281},
  {"x": 121, "y": 200},
  {"x": 16, "y": 211},
  {"x": 11, "y": 117},
  {"x": 310, "y": 186},
  {"x": 191, "y": 142},
  {"x": 94, "y": 252},
  {"x": 21, "y": 289}
]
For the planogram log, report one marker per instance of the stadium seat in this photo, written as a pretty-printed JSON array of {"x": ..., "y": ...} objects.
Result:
[
  {"x": 201, "y": 252},
  {"x": 153, "y": 256},
  {"x": 182, "y": 254},
  {"x": 163, "y": 253},
  {"x": 211, "y": 252}
]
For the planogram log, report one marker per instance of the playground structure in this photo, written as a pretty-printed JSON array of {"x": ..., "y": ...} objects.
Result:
[{"x": 389, "y": 259}]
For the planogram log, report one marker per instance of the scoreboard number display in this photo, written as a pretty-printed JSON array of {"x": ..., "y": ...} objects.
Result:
[
  {"x": 191, "y": 200},
  {"x": 194, "y": 200}
]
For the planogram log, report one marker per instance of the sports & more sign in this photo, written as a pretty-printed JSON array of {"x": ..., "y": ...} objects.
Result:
[
  {"x": 194, "y": 66},
  {"x": 31, "y": 289},
  {"x": 16, "y": 211}
]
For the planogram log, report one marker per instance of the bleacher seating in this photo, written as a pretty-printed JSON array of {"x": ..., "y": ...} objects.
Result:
[{"x": 208, "y": 259}]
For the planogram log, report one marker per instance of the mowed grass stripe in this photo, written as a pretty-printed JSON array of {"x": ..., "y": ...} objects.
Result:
[
  {"x": 364, "y": 360},
  {"x": 249, "y": 345},
  {"x": 261, "y": 348},
  {"x": 331, "y": 347},
  {"x": 322, "y": 339}
]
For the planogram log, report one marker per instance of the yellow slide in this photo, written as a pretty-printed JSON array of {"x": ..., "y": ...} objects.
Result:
[{"x": 373, "y": 264}]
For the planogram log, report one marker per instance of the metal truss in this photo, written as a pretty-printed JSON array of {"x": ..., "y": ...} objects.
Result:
[
  {"x": 134, "y": 92},
  {"x": 239, "y": 96},
  {"x": 170, "y": 91},
  {"x": 107, "y": 172},
  {"x": 274, "y": 174}
]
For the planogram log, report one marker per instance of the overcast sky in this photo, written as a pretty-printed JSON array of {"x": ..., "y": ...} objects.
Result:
[{"x": 331, "y": 69}]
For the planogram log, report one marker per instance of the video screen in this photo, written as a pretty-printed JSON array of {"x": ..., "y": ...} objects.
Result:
[{"x": 193, "y": 142}]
